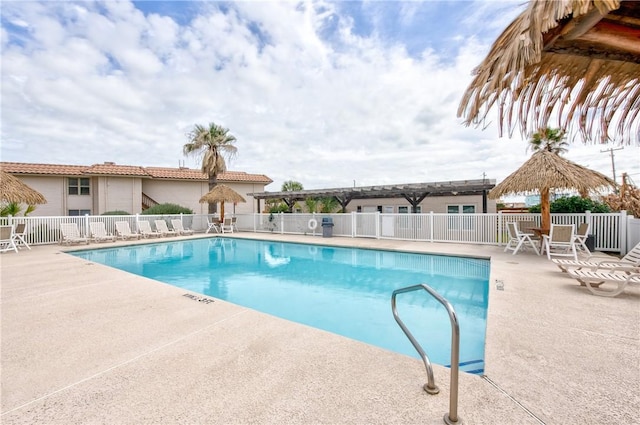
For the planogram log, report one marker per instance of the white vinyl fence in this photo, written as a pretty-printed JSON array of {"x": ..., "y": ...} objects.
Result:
[{"x": 613, "y": 232}]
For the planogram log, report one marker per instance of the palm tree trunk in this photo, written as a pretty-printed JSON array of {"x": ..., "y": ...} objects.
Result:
[{"x": 213, "y": 181}]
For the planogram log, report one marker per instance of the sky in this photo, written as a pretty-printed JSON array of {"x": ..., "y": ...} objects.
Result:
[{"x": 326, "y": 93}]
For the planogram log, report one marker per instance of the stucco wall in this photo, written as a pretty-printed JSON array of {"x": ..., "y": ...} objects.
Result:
[
  {"x": 54, "y": 191},
  {"x": 117, "y": 194},
  {"x": 437, "y": 204},
  {"x": 188, "y": 194}
]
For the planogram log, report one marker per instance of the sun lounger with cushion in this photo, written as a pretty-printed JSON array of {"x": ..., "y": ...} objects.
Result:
[
  {"x": 145, "y": 229},
  {"x": 176, "y": 223},
  {"x": 161, "y": 226},
  {"x": 123, "y": 230},
  {"x": 99, "y": 232},
  {"x": 71, "y": 234}
]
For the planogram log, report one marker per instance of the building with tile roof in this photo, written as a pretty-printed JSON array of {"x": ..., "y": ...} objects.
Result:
[{"x": 98, "y": 188}]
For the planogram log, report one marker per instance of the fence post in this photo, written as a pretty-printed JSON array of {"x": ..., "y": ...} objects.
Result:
[
  {"x": 354, "y": 224},
  {"x": 282, "y": 223},
  {"x": 431, "y": 218},
  {"x": 623, "y": 232},
  {"x": 378, "y": 218},
  {"x": 137, "y": 222},
  {"x": 86, "y": 225},
  {"x": 499, "y": 229}
]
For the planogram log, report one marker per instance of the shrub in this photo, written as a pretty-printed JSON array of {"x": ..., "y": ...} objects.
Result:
[
  {"x": 116, "y": 212},
  {"x": 574, "y": 204},
  {"x": 167, "y": 209}
]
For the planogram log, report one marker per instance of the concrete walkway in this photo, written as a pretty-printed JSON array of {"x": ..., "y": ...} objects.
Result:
[{"x": 86, "y": 344}]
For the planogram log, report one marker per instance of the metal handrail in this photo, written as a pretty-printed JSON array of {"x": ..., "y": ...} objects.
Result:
[{"x": 430, "y": 387}]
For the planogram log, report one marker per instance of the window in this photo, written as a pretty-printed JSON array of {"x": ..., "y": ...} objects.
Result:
[
  {"x": 76, "y": 213},
  {"x": 79, "y": 186},
  {"x": 406, "y": 210},
  {"x": 460, "y": 222},
  {"x": 456, "y": 209}
]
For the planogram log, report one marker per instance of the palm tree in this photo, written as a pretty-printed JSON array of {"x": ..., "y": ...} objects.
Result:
[
  {"x": 549, "y": 139},
  {"x": 212, "y": 143},
  {"x": 291, "y": 186}
]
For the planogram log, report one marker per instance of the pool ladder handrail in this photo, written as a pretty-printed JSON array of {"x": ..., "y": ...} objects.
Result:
[{"x": 430, "y": 387}]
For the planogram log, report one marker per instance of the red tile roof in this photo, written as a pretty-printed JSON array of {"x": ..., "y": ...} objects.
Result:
[
  {"x": 43, "y": 169},
  {"x": 111, "y": 169}
]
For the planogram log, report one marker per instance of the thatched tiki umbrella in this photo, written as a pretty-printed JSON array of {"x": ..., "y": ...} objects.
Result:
[
  {"x": 577, "y": 62},
  {"x": 221, "y": 193},
  {"x": 13, "y": 190},
  {"x": 546, "y": 171}
]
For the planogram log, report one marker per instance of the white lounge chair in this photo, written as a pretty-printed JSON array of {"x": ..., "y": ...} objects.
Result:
[
  {"x": 227, "y": 225},
  {"x": 144, "y": 227},
  {"x": 19, "y": 236},
  {"x": 593, "y": 279},
  {"x": 161, "y": 226},
  {"x": 518, "y": 240},
  {"x": 560, "y": 241},
  {"x": 176, "y": 223},
  {"x": 213, "y": 224},
  {"x": 99, "y": 232},
  {"x": 629, "y": 261},
  {"x": 71, "y": 234},
  {"x": 7, "y": 239},
  {"x": 123, "y": 231},
  {"x": 234, "y": 223}
]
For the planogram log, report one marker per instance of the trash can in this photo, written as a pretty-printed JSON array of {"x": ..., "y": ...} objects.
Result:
[
  {"x": 327, "y": 227},
  {"x": 591, "y": 242}
]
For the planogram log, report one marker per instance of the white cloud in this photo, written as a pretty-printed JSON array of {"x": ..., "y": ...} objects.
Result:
[{"x": 104, "y": 81}]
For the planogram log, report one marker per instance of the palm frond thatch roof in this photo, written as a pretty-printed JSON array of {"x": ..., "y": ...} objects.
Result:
[
  {"x": 577, "y": 61},
  {"x": 14, "y": 190},
  {"x": 221, "y": 193},
  {"x": 547, "y": 170}
]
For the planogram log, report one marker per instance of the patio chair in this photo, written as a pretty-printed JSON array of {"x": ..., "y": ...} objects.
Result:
[
  {"x": 581, "y": 238},
  {"x": 19, "y": 236},
  {"x": 560, "y": 241},
  {"x": 227, "y": 225},
  {"x": 7, "y": 239},
  {"x": 629, "y": 261},
  {"x": 213, "y": 224},
  {"x": 526, "y": 226},
  {"x": 234, "y": 223},
  {"x": 176, "y": 223},
  {"x": 123, "y": 231},
  {"x": 99, "y": 232},
  {"x": 593, "y": 279},
  {"x": 71, "y": 234},
  {"x": 144, "y": 227},
  {"x": 518, "y": 240},
  {"x": 161, "y": 226}
]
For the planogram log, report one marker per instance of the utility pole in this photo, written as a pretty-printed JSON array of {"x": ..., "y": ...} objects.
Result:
[{"x": 613, "y": 162}]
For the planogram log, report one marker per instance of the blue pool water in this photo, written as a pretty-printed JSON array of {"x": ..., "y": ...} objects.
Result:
[{"x": 346, "y": 291}]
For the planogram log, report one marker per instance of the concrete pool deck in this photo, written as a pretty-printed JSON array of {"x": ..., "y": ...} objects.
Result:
[{"x": 85, "y": 344}]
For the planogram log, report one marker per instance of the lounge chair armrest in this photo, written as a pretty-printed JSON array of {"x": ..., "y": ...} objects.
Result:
[
  {"x": 612, "y": 264},
  {"x": 623, "y": 268}
]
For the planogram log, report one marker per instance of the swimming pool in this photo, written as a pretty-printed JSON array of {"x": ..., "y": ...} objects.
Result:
[{"x": 346, "y": 291}]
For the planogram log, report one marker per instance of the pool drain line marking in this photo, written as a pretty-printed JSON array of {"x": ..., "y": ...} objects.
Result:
[
  {"x": 486, "y": 378},
  {"x": 124, "y": 363}
]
